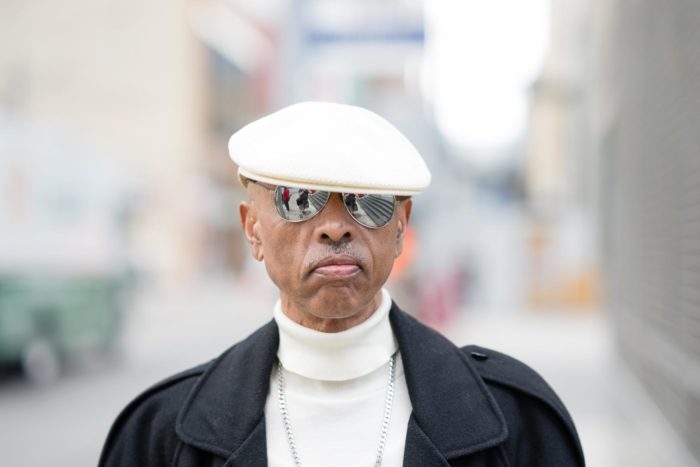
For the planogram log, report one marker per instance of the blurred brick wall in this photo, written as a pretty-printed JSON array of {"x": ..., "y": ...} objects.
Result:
[{"x": 645, "y": 58}]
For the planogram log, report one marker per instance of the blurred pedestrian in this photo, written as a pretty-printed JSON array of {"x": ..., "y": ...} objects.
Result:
[
  {"x": 303, "y": 200},
  {"x": 285, "y": 197},
  {"x": 341, "y": 376},
  {"x": 351, "y": 202}
]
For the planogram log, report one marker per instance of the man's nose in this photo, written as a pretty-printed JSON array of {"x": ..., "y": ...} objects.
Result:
[{"x": 335, "y": 224}]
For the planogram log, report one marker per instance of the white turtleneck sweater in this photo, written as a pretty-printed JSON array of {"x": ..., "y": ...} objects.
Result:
[{"x": 335, "y": 385}]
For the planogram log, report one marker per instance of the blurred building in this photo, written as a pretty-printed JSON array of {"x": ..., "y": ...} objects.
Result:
[
  {"x": 645, "y": 116},
  {"x": 560, "y": 172},
  {"x": 124, "y": 82}
]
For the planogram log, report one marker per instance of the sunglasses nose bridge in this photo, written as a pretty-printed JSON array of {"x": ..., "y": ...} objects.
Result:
[
  {"x": 334, "y": 221},
  {"x": 335, "y": 205}
]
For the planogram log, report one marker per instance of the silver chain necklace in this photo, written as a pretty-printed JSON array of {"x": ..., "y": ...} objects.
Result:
[{"x": 385, "y": 422}]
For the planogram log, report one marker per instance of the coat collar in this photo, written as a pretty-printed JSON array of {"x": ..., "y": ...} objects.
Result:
[{"x": 453, "y": 412}]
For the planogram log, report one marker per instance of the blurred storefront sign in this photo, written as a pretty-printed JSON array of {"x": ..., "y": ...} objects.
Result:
[
  {"x": 385, "y": 22},
  {"x": 360, "y": 38}
]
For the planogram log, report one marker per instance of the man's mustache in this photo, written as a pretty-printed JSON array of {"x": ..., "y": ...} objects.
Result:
[{"x": 332, "y": 250}]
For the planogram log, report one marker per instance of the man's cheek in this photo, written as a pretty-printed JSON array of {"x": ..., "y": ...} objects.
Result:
[{"x": 286, "y": 260}]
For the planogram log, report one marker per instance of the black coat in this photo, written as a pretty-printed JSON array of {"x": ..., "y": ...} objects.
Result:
[{"x": 471, "y": 407}]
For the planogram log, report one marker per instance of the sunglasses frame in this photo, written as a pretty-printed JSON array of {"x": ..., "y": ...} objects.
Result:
[{"x": 277, "y": 192}]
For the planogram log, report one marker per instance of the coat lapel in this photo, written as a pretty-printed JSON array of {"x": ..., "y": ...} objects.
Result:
[
  {"x": 454, "y": 414},
  {"x": 253, "y": 451},
  {"x": 420, "y": 450},
  {"x": 225, "y": 412}
]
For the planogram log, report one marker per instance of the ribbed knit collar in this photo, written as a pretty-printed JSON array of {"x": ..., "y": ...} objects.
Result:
[{"x": 337, "y": 356}]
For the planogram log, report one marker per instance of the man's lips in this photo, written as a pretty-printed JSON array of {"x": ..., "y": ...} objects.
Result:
[{"x": 337, "y": 266}]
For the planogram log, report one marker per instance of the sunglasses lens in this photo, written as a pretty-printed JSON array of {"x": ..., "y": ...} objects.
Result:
[
  {"x": 299, "y": 204},
  {"x": 370, "y": 210}
]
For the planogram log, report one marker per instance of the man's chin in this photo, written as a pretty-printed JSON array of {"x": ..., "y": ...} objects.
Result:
[
  {"x": 341, "y": 302},
  {"x": 337, "y": 307}
]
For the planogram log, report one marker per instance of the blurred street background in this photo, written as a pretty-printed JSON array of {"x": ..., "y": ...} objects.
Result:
[{"x": 562, "y": 225}]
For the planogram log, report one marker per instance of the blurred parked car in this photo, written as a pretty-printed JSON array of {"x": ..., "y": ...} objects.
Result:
[{"x": 63, "y": 271}]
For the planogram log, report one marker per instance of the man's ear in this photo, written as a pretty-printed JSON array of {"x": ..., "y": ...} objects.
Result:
[
  {"x": 249, "y": 223},
  {"x": 404, "y": 213}
]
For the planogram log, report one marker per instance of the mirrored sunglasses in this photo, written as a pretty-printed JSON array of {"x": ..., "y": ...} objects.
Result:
[{"x": 301, "y": 204}]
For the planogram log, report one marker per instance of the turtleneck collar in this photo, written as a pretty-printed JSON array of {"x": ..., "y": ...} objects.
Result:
[{"x": 337, "y": 356}]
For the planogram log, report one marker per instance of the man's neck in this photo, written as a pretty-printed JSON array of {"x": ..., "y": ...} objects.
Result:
[{"x": 339, "y": 356}]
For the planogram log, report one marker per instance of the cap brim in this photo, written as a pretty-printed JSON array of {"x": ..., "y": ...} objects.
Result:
[{"x": 244, "y": 174}]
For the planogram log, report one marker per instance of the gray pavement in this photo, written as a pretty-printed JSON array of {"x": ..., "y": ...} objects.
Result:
[
  {"x": 65, "y": 423},
  {"x": 617, "y": 422}
]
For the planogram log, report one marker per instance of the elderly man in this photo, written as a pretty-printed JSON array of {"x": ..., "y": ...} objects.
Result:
[{"x": 341, "y": 376}]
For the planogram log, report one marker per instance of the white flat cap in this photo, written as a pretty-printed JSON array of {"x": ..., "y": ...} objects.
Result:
[{"x": 330, "y": 147}]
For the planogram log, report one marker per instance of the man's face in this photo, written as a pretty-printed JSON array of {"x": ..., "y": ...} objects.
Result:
[{"x": 329, "y": 269}]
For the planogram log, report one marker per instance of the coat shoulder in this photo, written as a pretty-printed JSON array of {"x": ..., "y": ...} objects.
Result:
[
  {"x": 525, "y": 398},
  {"x": 145, "y": 428},
  {"x": 499, "y": 368}
]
